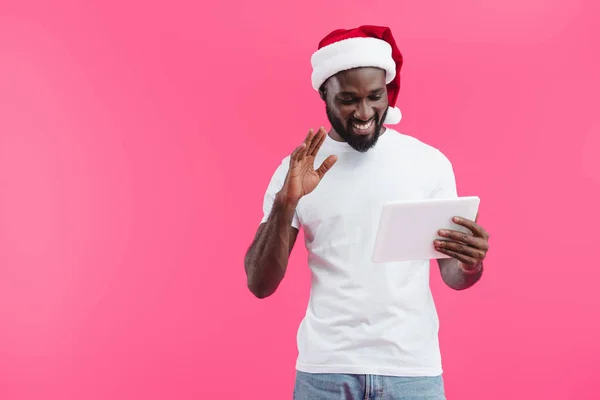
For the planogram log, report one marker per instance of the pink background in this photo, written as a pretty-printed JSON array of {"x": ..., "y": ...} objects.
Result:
[{"x": 136, "y": 142}]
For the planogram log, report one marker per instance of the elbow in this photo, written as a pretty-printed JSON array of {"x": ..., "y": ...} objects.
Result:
[
  {"x": 456, "y": 287},
  {"x": 261, "y": 282},
  {"x": 259, "y": 289}
]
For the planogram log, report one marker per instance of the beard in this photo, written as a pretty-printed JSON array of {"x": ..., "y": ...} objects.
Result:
[{"x": 359, "y": 143}]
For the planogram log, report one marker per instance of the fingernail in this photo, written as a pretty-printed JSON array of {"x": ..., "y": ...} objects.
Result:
[
  {"x": 443, "y": 233},
  {"x": 437, "y": 243},
  {"x": 456, "y": 219}
]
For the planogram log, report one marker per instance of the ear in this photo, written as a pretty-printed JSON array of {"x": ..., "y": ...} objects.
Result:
[{"x": 323, "y": 92}]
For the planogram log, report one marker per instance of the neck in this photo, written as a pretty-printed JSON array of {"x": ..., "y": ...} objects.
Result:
[{"x": 335, "y": 136}]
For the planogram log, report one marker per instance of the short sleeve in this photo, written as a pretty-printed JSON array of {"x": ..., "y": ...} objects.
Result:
[
  {"x": 273, "y": 188},
  {"x": 445, "y": 181}
]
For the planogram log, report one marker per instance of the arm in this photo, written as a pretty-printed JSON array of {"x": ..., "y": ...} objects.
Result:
[
  {"x": 267, "y": 258},
  {"x": 456, "y": 277},
  {"x": 467, "y": 251}
]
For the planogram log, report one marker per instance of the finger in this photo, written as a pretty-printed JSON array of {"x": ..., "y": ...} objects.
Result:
[
  {"x": 317, "y": 142},
  {"x": 471, "y": 225},
  {"x": 468, "y": 239},
  {"x": 295, "y": 156},
  {"x": 309, "y": 136},
  {"x": 320, "y": 142},
  {"x": 304, "y": 146},
  {"x": 326, "y": 166},
  {"x": 483, "y": 231},
  {"x": 314, "y": 142},
  {"x": 308, "y": 142},
  {"x": 460, "y": 248},
  {"x": 458, "y": 256}
]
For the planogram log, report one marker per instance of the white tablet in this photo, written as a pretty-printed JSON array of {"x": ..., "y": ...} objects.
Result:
[{"x": 407, "y": 229}]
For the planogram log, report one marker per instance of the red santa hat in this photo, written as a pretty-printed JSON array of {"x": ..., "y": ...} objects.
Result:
[{"x": 365, "y": 46}]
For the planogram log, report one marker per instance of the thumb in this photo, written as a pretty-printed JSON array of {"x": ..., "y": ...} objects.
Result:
[{"x": 326, "y": 166}]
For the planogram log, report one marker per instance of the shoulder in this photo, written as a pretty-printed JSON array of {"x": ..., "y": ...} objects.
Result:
[
  {"x": 279, "y": 171},
  {"x": 417, "y": 147}
]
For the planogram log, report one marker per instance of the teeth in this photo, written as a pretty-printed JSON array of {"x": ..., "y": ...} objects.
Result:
[{"x": 363, "y": 126}]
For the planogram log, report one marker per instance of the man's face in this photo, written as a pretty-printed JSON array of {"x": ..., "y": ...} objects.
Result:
[{"x": 356, "y": 105}]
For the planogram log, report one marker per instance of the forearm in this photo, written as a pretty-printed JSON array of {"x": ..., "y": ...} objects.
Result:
[
  {"x": 456, "y": 277},
  {"x": 267, "y": 259}
]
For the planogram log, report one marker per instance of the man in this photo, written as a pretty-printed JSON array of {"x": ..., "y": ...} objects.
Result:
[{"x": 370, "y": 330}]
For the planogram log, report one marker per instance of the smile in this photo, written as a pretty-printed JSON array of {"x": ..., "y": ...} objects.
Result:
[{"x": 364, "y": 128}]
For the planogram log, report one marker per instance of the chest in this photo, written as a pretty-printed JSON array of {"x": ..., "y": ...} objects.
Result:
[{"x": 347, "y": 203}]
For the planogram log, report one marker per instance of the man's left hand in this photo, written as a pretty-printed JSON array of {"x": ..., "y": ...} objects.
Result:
[{"x": 469, "y": 249}]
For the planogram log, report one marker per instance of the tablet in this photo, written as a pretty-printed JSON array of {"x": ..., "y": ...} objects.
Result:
[{"x": 407, "y": 229}]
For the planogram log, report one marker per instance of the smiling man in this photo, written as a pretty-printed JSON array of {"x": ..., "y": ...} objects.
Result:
[{"x": 370, "y": 330}]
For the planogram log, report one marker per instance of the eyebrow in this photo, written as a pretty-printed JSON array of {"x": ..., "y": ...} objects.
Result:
[{"x": 374, "y": 91}]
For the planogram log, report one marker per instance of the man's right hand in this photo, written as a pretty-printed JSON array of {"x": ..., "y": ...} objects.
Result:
[{"x": 302, "y": 178}]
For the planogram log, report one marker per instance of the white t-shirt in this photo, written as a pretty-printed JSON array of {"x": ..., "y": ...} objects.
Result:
[{"x": 366, "y": 318}]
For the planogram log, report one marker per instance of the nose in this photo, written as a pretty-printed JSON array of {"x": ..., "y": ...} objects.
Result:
[{"x": 364, "y": 111}]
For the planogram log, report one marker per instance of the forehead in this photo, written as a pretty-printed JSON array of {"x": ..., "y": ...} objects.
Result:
[{"x": 358, "y": 80}]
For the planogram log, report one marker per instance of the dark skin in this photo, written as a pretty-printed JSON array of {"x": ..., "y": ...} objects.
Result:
[
  {"x": 468, "y": 250},
  {"x": 357, "y": 95},
  {"x": 354, "y": 96},
  {"x": 267, "y": 258}
]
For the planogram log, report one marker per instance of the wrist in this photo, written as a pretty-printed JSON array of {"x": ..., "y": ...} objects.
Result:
[{"x": 285, "y": 201}]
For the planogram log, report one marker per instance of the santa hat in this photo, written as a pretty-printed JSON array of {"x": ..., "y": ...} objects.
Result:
[{"x": 365, "y": 46}]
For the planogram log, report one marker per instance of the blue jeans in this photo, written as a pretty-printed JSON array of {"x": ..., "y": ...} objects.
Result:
[{"x": 367, "y": 387}]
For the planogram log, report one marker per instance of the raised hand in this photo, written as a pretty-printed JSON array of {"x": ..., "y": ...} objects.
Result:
[{"x": 302, "y": 178}]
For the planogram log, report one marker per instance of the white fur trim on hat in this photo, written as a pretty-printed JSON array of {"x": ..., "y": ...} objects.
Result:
[
  {"x": 352, "y": 53},
  {"x": 393, "y": 116}
]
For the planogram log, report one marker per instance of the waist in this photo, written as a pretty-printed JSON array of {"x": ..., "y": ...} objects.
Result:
[{"x": 393, "y": 345}]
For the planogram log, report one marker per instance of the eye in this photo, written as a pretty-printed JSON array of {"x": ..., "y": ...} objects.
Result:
[
  {"x": 375, "y": 97},
  {"x": 347, "y": 101}
]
